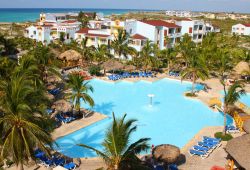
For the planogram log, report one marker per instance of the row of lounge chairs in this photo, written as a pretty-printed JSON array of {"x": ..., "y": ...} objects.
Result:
[
  {"x": 55, "y": 91},
  {"x": 232, "y": 129},
  {"x": 53, "y": 161},
  {"x": 205, "y": 147},
  {"x": 130, "y": 75},
  {"x": 174, "y": 73},
  {"x": 66, "y": 119}
]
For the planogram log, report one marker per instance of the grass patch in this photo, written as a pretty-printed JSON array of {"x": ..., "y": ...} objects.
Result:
[
  {"x": 223, "y": 137},
  {"x": 190, "y": 94}
]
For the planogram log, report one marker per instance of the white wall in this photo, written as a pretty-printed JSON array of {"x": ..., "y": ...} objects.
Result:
[
  {"x": 240, "y": 29},
  {"x": 137, "y": 27}
]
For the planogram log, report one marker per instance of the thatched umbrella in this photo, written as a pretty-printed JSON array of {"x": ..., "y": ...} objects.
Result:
[
  {"x": 239, "y": 149},
  {"x": 70, "y": 55},
  {"x": 246, "y": 126},
  {"x": 241, "y": 68},
  {"x": 129, "y": 67},
  {"x": 50, "y": 96},
  {"x": 166, "y": 153},
  {"x": 62, "y": 106},
  {"x": 51, "y": 87},
  {"x": 112, "y": 65},
  {"x": 53, "y": 79}
]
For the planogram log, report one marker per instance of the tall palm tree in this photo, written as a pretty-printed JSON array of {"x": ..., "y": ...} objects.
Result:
[
  {"x": 235, "y": 91},
  {"x": 21, "y": 124},
  {"x": 195, "y": 69},
  {"x": 120, "y": 44},
  {"x": 79, "y": 91},
  {"x": 102, "y": 54},
  {"x": 119, "y": 153},
  {"x": 169, "y": 55},
  {"x": 45, "y": 60},
  {"x": 87, "y": 52},
  {"x": 146, "y": 54},
  {"x": 186, "y": 47}
]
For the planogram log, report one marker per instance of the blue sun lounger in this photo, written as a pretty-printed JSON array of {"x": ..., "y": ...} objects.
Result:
[
  {"x": 70, "y": 166},
  {"x": 212, "y": 139},
  {"x": 202, "y": 149},
  {"x": 207, "y": 145},
  {"x": 198, "y": 153},
  {"x": 59, "y": 161}
]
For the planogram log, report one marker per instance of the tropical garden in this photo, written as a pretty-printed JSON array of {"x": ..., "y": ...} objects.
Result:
[{"x": 25, "y": 124}]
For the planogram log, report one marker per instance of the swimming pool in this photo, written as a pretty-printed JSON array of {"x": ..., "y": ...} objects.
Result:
[
  {"x": 172, "y": 119},
  {"x": 245, "y": 99}
]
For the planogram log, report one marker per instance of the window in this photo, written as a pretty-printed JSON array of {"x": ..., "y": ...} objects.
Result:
[
  {"x": 190, "y": 30},
  {"x": 199, "y": 36},
  {"x": 34, "y": 32},
  {"x": 68, "y": 36},
  {"x": 165, "y": 32},
  {"x": 130, "y": 31}
]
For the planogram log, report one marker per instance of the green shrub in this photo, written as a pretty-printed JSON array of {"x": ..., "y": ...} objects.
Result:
[
  {"x": 190, "y": 94},
  {"x": 95, "y": 70},
  {"x": 223, "y": 137}
]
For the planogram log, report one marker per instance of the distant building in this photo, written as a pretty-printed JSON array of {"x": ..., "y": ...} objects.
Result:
[
  {"x": 211, "y": 28},
  {"x": 179, "y": 13},
  {"x": 241, "y": 29},
  {"x": 46, "y": 32},
  {"x": 221, "y": 16},
  {"x": 210, "y": 15}
]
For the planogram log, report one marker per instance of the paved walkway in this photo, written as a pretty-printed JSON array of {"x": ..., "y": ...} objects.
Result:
[
  {"x": 217, "y": 157},
  {"x": 71, "y": 127}
]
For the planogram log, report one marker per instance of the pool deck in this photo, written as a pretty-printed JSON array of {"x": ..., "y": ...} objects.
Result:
[{"x": 68, "y": 128}]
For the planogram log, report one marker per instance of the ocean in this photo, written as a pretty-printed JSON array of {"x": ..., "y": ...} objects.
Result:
[{"x": 32, "y": 14}]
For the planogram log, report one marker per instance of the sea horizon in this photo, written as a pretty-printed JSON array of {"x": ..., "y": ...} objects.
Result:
[{"x": 32, "y": 14}]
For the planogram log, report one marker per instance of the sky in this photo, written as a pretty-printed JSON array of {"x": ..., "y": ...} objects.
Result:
[{"x": 194, "y": 5}]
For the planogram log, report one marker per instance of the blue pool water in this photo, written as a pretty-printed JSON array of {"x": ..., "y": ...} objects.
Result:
[
  {"x": 246, "y": 99},
  {"x": 172, "y": 119}
]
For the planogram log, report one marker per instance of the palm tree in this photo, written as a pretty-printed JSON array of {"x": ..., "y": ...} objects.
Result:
[
  {"x": 195, "y": 69},
  {"x": 21, "y": 124},
  {"x": 118, "y": 153},
  {"x": 185, "y": 47},
  {"x": 102, "y": 53},
  {"x": 146, "y": 54},
  {"x": 235, "y": 91},
  {"x": 45, "y": 60},
  {"x": 120, "y": 44},
  {"x": 79, "y": 91},
  {"x": 169, "y": 54},
  {"x": 87, "y": 52}
]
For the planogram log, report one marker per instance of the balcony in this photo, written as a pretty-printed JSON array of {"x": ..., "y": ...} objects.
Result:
[{"x": 174, "y": 35}]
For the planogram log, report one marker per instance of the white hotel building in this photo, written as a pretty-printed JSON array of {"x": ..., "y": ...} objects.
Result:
[
  {"x": 153, "y": 30},
  {"x": 241, "y": 29}
]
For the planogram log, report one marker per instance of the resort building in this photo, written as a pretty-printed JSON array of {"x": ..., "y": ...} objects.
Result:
[
  {"x": 95, "y": 37},
  {"x": 211, "y": 28},
  {"x": 114, "y": 26},
  {"x": 162, "y": 33},
  {"x": 179, "y": 13},
  {"x": 194, "y": 28},
  {"x": 48, "y": 31},
  {"x": 241, "y": 29}
]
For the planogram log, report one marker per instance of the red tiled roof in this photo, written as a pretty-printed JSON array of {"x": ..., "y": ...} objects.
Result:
[
  {"x": 183, "y": 19},
  {"x": 84, "y": 30},
  {"x": 138, "y": 36},
  {"x": 69, "y": 21},
  {"x": 98, "y": 35},
  {"x": 160, "y": 23},
  {"x": 247, "y": 25}
]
